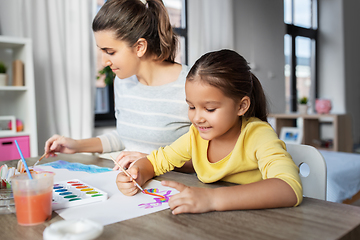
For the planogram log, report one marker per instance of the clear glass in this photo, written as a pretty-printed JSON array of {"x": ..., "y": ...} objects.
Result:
[
  {"x": 303, "y": 52},
  {"x": 303, "y": 13},
  {"x": 314, "y": 14},
  {"x": 175, "y": 11},
  {"x": 180, "y": 53},
  {"x": 33, "y": 197},
  {"x": 288, "y": 12},
  {"x": 287, "y": 71}
]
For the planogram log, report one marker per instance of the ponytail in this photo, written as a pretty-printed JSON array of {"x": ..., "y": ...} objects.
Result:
[
  {"x": 132, "y": 19},
  {"x": 258, "y": 106},
  {"x": 167, "y": 38}
]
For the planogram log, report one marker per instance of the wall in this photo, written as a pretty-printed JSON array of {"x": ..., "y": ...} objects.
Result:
[
  {"x": 259, "y": 37},
  {"x": 351, "y": 11},
  {"x": 331, "y": 54},
  {"x": 339, "y": 52}
]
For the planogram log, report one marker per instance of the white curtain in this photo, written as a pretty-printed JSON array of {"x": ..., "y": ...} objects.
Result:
[
  {"x": 210, "y": 26},
  {"x": 64, "y": 61}
]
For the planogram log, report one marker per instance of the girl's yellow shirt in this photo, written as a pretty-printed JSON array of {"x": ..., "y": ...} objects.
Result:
[{"x": 258, "y": 154}]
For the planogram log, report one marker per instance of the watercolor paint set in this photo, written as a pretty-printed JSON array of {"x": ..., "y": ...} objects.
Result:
[{"x": 74, "y": 193}]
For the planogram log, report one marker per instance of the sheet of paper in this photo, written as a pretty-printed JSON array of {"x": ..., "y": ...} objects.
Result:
[{"x": 118, "y": 207}]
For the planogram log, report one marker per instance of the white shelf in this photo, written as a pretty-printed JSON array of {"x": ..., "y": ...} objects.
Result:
[
  {"x": 18, "y": 134},
  {"x": 341, "y": 128},
  {"x": 13, "y": 88},
  {"x": 19, "y": 101}
]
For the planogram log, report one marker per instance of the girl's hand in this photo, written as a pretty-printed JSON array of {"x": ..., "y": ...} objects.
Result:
[
  {"x": 125, "y": 183},
  {"x": 190, "y": 199},
  {"x": 60, "y": 144},
  {"x": 127, "y": 158}
]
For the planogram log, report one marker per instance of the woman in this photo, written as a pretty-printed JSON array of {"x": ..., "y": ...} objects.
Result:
[{"x": 138, "y": 43}]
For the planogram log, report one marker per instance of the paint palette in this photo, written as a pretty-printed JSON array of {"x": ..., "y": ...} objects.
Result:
[{"x": 74, "y": 193}]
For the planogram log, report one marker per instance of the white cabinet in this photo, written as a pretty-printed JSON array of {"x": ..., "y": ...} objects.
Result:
[
  {"x": 341, "y": 130},
  {"x": 19, "y": 101}
]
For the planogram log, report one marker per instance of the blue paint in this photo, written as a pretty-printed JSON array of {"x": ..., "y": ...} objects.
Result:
[{"x": 60, "y": 164}]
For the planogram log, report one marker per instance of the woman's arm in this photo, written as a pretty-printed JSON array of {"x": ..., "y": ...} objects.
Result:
[
  {"x": 63, "y": 144},
  {"x": 269, "y": 193}
]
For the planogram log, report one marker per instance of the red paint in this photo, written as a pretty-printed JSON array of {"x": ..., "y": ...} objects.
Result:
[{"x": 70, "y": 182}]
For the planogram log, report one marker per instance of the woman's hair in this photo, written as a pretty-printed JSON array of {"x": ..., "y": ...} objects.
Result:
[
  {"x": 132, "y": 19},
  {"x": 229, "y": 72}
]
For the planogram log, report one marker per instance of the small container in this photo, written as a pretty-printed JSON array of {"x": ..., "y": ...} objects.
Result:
[
  {"x": 75, "y": 229},
  {"x": 33, "y": 197},
  {"x": 323, "y": 106}
]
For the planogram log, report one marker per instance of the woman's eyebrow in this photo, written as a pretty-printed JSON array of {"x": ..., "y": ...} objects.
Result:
[{"x": 105, "y": 49}]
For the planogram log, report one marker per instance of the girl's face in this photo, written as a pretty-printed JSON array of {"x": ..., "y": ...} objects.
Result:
[
  {"x": 211, "y": 112},
  {"x": 121, "y": 58}
]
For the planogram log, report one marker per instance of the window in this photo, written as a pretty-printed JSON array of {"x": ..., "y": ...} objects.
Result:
[
  {"x": 300, "y": 17},
  {"x": 104, "y": 103},
  {"x": 178, "y": 18}
]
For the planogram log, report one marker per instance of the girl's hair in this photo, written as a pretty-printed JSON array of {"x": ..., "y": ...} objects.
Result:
[
  {"x": 132, "y": 19},
  {"x": 229, "y": 71}
]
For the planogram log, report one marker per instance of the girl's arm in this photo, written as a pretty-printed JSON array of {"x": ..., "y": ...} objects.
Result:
[
  {"x": 269, "y": 193},
  {"x": 141, "y": 171}
]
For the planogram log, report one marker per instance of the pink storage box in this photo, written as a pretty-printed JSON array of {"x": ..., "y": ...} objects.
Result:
[{"x": 8, "y": 149}]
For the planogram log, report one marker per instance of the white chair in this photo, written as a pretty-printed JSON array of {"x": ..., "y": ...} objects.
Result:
[{"x": 312, "y": 169}]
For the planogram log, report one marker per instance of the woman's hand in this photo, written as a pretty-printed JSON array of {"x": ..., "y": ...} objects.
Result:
[
  {"x": 190, "y": 199},
  {"x": 125, "y": 183},
  {"x": 127, "y": 158},
  {"x": 60, "y": 144}
]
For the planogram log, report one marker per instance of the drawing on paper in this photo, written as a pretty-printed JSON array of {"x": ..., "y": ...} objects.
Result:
[
  {"x": 60, "y": 164},
  {"x": 159, "y": 199}
]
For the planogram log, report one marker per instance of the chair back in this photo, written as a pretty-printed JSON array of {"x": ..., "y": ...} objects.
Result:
[{"x": 312, "y": 169}]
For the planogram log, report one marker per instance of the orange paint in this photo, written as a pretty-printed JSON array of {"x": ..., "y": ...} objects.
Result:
[{"x": 33, "y": 209}]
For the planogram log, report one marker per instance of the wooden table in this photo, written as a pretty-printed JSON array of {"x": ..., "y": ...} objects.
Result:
[{"x": 313, "y": 219}]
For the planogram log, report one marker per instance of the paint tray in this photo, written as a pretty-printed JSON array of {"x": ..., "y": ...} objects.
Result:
[{"x": 74, "y": 193}]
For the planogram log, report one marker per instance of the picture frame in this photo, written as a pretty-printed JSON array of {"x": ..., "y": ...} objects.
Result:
[
  {"x": 4, "y": 125},
  {"x": 291, "y": 135}
]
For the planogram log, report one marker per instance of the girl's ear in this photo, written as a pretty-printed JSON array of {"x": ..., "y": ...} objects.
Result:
[
  {"x": 141, "y": 47},
  {"x": 243, "y": 105}
]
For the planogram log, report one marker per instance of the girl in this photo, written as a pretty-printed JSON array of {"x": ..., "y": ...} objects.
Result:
[
  {"x": 138, "y": 43},
  {"x": 229, "y": 140}
]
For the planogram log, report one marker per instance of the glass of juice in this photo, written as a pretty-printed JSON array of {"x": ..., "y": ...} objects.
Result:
[{"x": 33, "y": 197}]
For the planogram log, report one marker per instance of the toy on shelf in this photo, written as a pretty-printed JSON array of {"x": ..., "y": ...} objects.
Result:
[{"x": 19, "y": 125}]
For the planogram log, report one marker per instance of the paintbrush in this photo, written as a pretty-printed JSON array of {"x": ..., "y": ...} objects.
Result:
[
  {"x": 23, "y": 159},
  {"x": 128, "y": 174},
  {"x": 39, "y": 160}
]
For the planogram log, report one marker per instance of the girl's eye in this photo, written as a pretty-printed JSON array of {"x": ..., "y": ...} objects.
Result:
[
  {"x": 191, "y": 108},
  {"x": 210, "y": 110},
  {"x": 110, "y": 53}
]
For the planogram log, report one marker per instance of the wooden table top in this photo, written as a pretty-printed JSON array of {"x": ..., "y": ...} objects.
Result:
[{"x": 313, "y": 219}]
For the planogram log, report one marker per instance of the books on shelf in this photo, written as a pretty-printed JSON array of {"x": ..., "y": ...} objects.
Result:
[{"x": 18, "y": 73}]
